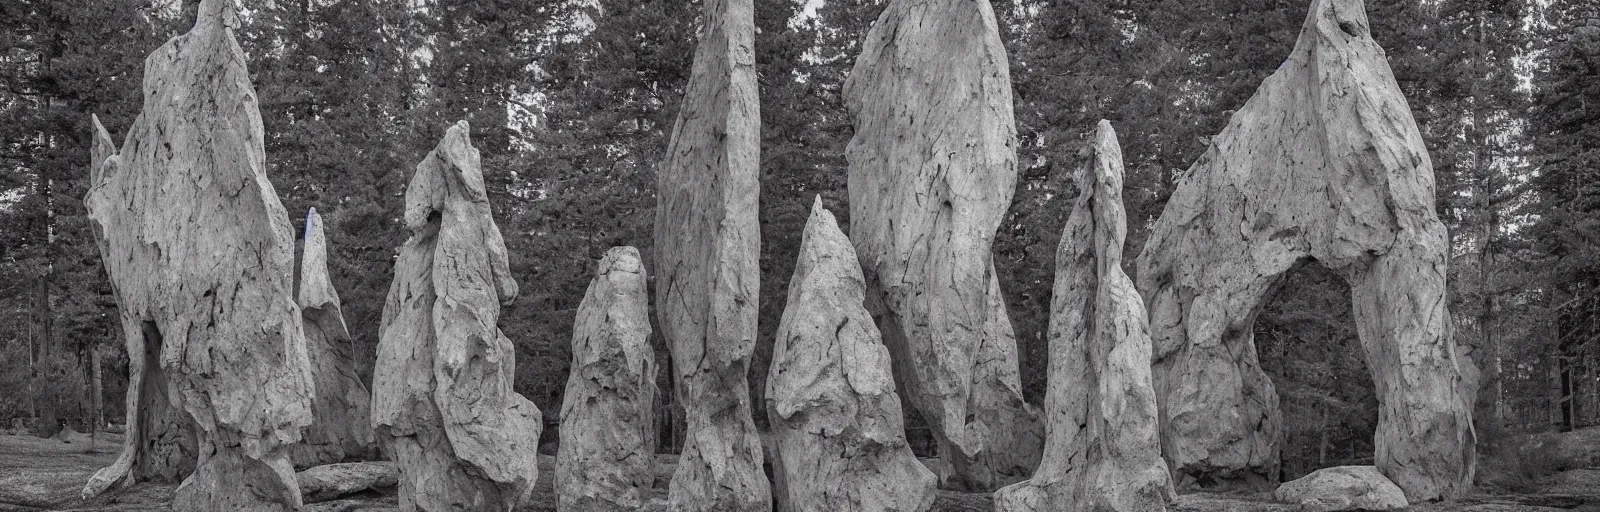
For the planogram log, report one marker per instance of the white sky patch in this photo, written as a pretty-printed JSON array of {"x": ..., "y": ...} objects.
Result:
[{"x": 9, "y": 198}]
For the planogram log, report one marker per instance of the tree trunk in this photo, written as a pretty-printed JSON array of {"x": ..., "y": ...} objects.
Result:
[{"x": 95, "y": 383}]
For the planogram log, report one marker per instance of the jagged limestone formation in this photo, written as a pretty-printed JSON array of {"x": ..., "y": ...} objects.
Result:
[
  {"x": 442, "y": 400},
  {"x": 341, "y": 427},
  {"x": 707, "y": 250},
  {"x": 1102, "y": 449},
  {"x": 1324, "y": 162},
  {"x": 606, "y": 456},
  {"x": 835, "y": 417},
  {"x": 932, "y": 167},
  {"x": 201, "y": 255}
]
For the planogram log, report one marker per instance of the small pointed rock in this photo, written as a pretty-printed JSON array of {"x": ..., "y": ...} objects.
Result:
[
  {"x": 200, "y": 255},
  {"x": 342, "y": 426},
  {"x": 1102, "y": 450},
  {"x": 606, "y": 457},
  {"x": 836, "y": 423},
  {"x": 932, "y": 168},
  {"x": 707, "y": 251},
  {"x": 442, "y": 399},
  {"x": 1324, "y": 163}
]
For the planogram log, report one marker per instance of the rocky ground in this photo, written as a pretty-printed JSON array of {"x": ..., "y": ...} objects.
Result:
[{"x": 46, "y": 474}]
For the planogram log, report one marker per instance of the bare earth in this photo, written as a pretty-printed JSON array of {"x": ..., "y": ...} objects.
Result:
[{"x": 46, "y": 474}]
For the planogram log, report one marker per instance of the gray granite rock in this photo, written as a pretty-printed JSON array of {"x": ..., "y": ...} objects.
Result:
[
  {"x": 836, "y": 424},
  {"x": 1325, "y": 162},
  {"x": 442, "y": 399},
  {"x": 606, "y": 456}
]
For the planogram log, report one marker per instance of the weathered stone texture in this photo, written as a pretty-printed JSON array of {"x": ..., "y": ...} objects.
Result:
[
  {"x": 1326, "y": 163},
  {"x": 333, "y": 481},
  {"x": 1342, "y": 488},
  {"x": 707, "y": 250},
  {"x": 341, "y": 427},
  {"x": 932, "y": 167},
  {"x": 606, "y": 456},
  {"x": 442, "y": 399},
  {"x": 830, "y": 392},
  {"x": 200, "y": 253},
  {"x": 1102, "y": 448}
]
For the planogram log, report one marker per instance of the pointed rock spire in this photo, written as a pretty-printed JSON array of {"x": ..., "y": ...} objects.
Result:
[
  {"x": 836, "y": 423},
  {"x": 342, "y": 425},
  {"x": 442, "y": 400},
  {"x": 1102, "y": 448}
]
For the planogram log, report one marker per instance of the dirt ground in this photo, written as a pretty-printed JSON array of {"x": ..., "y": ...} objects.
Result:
[{"x": 47, "y": 474}]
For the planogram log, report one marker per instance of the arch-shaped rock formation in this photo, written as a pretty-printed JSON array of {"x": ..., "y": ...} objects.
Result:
[{"x": 1324, "y": 162}]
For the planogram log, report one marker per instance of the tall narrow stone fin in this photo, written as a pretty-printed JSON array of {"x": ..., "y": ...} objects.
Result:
[
  {"x": 707, "y": 249},
  {"x": 1102, "y": 449},
  {"x": 342, "y": 429},
  {"x": 932, "y": 170}
]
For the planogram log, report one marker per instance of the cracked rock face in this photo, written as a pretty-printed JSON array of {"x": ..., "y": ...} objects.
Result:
[
  {"x": 932, "y": 168},
  {"x": 707, "y": 250},
  {"x": 605, "y": 460},
  {"x": 836, "y": 424},
  {"x": 1324, "y": 162},
  {"x": 1102, "y": 449},
  {"x": 200, "y": 254},
  {"x": 442, "y": 400},
  {"x": 342, "y": 427}
]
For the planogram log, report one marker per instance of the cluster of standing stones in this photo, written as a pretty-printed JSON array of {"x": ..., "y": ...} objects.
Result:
[{"x": 242, "y": 368}]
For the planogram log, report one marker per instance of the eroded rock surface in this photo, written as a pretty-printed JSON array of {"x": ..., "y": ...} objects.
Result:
[
  {"x": 606, "y": 456},
  {"x": 932, "y": 168},
  {"x": 341, "y": 427},
  {"x": 707, "y": 250},
  {"x": 1324, "y": 162},
  {"x": 830, "y": 393},
  {"x": 442, "y": 399},
  {"x": 1102, "y": 447},
  {"x": 333, "y": 481},
  {"x": 1342, "y": 488},
  {"x": 200, "y": 255}
]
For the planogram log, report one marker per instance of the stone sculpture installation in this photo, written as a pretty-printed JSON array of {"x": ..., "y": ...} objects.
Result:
[
  {"x": 932, "y": 167},
  {"x": 442, "y": 401},
  {"x": 840, "y": 440},
  {"x": 606, "y": 457},
  {"x": 1102, "y": 446},
  {"x": 200, "y": 254},
  {"x": 341, "y": 427},
  {"x": 707, "y": 250},
  {"x": 1324, "y": 162}
]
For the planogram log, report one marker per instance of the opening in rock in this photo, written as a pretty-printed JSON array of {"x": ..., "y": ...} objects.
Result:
[{"x": 1306, "y": 339}]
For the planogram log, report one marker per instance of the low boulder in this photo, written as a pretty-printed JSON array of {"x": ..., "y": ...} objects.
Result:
[{"x": 1343, "y": 488}]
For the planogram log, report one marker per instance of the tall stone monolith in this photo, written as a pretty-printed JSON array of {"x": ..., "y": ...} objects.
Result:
[
  {"x": 341, "y": 427},
  {"x": 1102, "y": 447},
  {"x": 836, "y": 424},
  {"x": 442, "y": 401},
  {"x": 1324, "y": 163},
  {"x": 200, "y": 255},
  {"x": 932, "y": 168},
  {"x": 606, "y": 459},
  {"x": 707, "y": 253}
]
